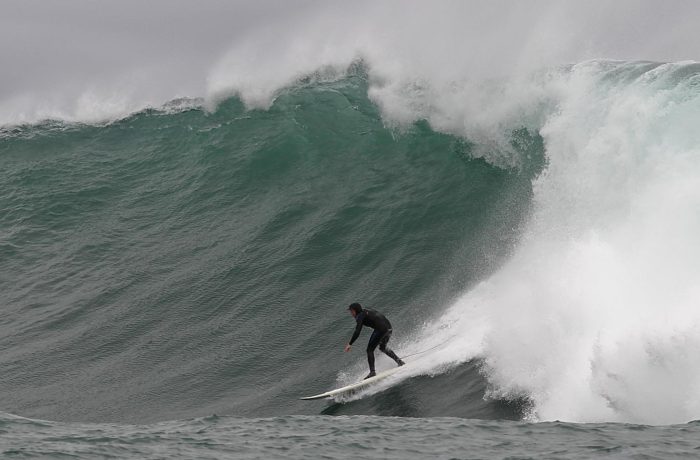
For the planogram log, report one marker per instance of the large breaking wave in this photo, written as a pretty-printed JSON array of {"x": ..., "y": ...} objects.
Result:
[{"x": 594, "y": 314}]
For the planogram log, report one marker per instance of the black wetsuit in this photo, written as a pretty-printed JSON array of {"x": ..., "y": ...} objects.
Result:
[{"x": 380, "y": 336}]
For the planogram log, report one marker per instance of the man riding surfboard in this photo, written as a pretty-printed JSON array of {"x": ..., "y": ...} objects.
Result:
[{"x": 380, "y": 336}]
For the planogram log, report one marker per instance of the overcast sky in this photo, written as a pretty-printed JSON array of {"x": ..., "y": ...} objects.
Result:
[{"x": 78, "y": 55}]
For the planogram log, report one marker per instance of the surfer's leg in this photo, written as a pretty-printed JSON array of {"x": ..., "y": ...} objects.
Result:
[
  {"x": 374, "y": 340},
  {"x": 387, "y": 351},
  {"x": 370, "y": 360}
]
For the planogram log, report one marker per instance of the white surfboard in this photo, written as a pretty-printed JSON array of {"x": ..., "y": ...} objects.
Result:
[{"x": 353, "y": 386}]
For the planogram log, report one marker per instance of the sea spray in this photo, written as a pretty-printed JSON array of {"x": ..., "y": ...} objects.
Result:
[{"x": 595, "y": 316}]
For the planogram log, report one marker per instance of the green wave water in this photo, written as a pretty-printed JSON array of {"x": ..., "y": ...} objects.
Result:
[{"x": 182, "y": 263}]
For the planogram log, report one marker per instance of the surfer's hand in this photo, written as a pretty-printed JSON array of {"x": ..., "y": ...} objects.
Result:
[{"x": 348, "y": 347}]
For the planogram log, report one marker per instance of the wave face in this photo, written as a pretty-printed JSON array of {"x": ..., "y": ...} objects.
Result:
[{"x": 182, "y": 262}]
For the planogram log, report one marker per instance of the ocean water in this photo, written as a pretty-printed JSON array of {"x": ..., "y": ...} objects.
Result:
[
  {"x": 300, "y": 437},
  {"x": 175, "y": 278}
]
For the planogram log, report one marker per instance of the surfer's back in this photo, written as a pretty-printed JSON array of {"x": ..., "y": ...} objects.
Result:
[{"x": 375, "y": 320}]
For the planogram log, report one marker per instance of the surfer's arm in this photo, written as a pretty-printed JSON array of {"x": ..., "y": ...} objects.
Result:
[{"x": 358, "y": 328}]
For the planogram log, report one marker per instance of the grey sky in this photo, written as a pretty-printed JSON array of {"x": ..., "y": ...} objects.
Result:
[{"x": 63, "y": 56}]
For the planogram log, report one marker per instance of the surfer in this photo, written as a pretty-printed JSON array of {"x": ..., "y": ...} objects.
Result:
[{"x": 380, "y": 336}]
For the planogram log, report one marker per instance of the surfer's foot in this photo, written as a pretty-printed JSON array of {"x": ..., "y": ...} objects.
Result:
[
  {"x": 400, "y": 362},
  {"x": 370, "y": 375}
]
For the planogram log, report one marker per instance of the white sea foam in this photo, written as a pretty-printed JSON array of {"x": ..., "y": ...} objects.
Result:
[{"x": 595, "y": 317}]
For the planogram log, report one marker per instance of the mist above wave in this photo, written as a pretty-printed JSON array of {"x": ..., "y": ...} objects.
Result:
[{"x": 89, "y": 63}]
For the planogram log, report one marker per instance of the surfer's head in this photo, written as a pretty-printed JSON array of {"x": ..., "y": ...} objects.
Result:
[{"x": 355, "y": 309}]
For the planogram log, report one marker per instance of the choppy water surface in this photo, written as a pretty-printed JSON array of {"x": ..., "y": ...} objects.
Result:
[{"x": 300, "y": 437}]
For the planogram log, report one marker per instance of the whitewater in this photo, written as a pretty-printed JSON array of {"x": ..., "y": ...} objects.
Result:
[
  {"x": 191, "y": 196},
  {"x": 594, "y": 316}
]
